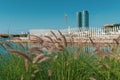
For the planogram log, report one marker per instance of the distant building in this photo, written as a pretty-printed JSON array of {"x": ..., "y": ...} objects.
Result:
[
  {"x": 79, "y": 19},
  {"x": 112, "y": 27},
  {"x": 83, "y": 19},
  {"x": 41, "y": 32}
]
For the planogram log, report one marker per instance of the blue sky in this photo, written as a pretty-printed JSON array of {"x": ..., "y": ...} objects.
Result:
[{"x": 21, "y": 15}]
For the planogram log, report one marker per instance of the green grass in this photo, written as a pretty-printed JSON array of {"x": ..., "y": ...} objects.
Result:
[
  {"x": 13, "y": 68},
  {"x": 70, "y": 64}
]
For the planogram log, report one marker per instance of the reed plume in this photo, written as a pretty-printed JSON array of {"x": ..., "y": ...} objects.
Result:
[
  {"x": 33, "y": 54},
  {"x": 21, "y": 45},
  {"x": 38, "y": 57},
  {"x": 51, "y": 50},
  {"x": 46, "y": 43},
  {"x": 59, "y": 47},
  {"x": 71, "y": 39},
  {"x": 54, "y": 35},
  {"x": 7, "y": 45},
  {"x": 36, "y": 71},
  {"x": 35, "y": 49},
  {"x": 43, "y": 59},
  {"x": 36, "y": 38},
  {"x": 49, "y": 72},
  {"x": 59, "y": 39},
  {"x": 21, "y": 54},
  {"x": 63, "y": 37},
  {"x": 91, "y": 41},
  {"x": 26, "y": 65},
  {"x": 118, "y": 38},
  {"x": 2, "y": 44},
  {"x": 49, "y": 38},
  {"x": 116, "y": 41}
]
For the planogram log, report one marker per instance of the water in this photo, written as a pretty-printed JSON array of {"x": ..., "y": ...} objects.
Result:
[{"x": 85, "y": 49}]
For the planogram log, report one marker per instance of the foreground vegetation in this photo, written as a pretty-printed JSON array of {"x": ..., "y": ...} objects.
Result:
[{"x": 55, "y": 59}]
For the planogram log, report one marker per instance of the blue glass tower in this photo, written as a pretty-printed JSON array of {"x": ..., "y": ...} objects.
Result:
[
  {"x": 79, "y": 19},
  {"x": 83, "y": 19}
]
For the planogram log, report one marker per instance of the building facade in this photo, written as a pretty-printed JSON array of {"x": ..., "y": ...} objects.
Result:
[
  {"x": 83, "y": 19},
  {"x": 79, "y": 19},
  {"x": 112, "y": 27}
]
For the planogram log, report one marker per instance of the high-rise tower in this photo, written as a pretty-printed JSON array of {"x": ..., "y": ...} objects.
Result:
[
  {"x": 79, "y": 19},
  {"x": 83, "y": 19}
]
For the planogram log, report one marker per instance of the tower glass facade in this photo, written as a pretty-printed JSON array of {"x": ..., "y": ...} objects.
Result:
[
  {"x": 79, "y": 19},
  {"x": 83, "y": 19}
]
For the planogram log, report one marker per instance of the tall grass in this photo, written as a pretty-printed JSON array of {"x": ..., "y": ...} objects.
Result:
[{"x": 55, "y": 59}]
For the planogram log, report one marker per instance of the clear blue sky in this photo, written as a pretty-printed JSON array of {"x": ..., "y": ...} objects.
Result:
[{"x": 21, "y": 15}]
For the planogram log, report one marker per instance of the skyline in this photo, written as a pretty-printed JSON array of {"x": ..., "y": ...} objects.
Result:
[{"x": 22, "y": 15}]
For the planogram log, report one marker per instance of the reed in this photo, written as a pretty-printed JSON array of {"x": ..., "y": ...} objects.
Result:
[
  {"x": 116, "y": 41},
  {"x": 92, "y": 41},
  {"x": 26, "y": 64},
  {"x": 36, "y": 38},
  {"x": 33, "y": 49},
  {"x": 38, "y": 57},
  {"x": 63, "y": 38},
  {"x": 1, "y": 44},
  {"x": 55, "y": 59},
  {"x": 54, "y": 35},
  {"x": 49, "y": 38},
  {"x": 21, "y": 54},
  {"x": 43, "y": 59}
]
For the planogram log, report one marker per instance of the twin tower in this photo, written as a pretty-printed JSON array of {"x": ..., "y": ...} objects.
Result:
[{"x": 83, "y": 19}]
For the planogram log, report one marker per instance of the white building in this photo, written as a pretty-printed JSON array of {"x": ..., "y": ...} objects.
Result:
[{"x": 41, "y": 32}]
